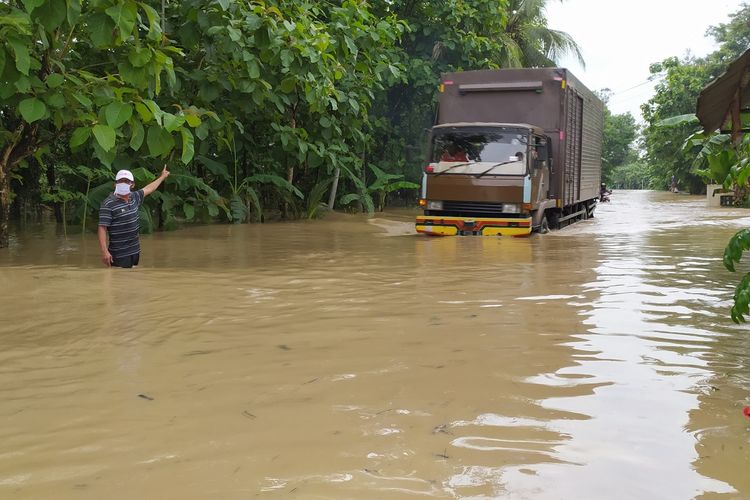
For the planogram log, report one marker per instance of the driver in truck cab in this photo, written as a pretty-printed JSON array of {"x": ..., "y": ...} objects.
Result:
[{"x": 454, "y": 152}]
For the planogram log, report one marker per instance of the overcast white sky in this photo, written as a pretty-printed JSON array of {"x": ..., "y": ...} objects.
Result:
[{"x": 620, "y": 39}]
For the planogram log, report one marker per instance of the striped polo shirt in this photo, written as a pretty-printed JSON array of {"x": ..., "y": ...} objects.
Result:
[{"x": 120, "y": 217}]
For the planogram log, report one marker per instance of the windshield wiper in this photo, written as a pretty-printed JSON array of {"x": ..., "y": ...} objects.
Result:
[
  {"x": 451, "y": 168},
  {"x": 478, "y": 176}
]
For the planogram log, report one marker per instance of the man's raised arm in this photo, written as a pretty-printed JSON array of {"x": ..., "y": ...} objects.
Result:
[{"x": 150, "y": 188}]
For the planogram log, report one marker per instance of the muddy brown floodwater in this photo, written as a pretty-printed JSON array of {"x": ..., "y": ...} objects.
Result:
[{"x": 348, "y": 358}]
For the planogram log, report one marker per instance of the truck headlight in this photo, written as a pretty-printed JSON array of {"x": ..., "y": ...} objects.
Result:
[
  {"x": 434, "y": 205},
  {"x": 511, "y": 208}
]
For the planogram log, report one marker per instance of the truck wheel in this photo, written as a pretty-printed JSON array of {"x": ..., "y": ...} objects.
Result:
[
  {"x": 554, "y": 220},
  {"x": 544, "y": 225}
]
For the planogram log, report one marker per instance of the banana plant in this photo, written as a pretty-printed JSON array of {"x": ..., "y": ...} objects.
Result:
[
  {"x": 245, "y": 192},
  {"x": 63, "y": 195},
  {"x": 315, "y": 197},
  {"x": 383, "y": 184}
]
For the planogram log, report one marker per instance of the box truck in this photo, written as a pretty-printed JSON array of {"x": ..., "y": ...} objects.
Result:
[{"x": 512, "y": 151}]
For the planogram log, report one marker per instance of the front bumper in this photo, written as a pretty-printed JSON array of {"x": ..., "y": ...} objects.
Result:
[{"x": 476, "y": 226}]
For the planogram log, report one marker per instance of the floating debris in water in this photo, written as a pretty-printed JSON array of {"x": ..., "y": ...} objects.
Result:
[{"x": 146, "y": 397}]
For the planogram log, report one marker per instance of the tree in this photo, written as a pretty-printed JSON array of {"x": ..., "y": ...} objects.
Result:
[
  {"x": 633, "y": 175},
  {"x": 733, "y": 37},
  {"x": 716, "y": 156},
  {"x": 263, "y": 92},
  {"x": 260, "y": 106},
  {"x": 86, "y": 73},
  {"x": 447, "y": 36},
  {"x": 294, "y": 82},
  {"x": 675, "y": 95},
  {"x": 529, "y": 42},
  {"x": 619, "y": 134}
]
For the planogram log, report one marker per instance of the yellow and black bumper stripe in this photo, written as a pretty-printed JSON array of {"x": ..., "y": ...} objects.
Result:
[{"x": 451, "y": 226}]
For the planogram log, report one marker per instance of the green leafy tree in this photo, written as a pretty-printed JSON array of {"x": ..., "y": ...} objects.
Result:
[
  {"x": 261, "y": 107},
  {"x": 633, "y": 175},
  {"x": 449, "y": 36},
  {"x": 293, "y": 82},
  {"x": 529, "y": 42},
  {"x": 733, "y": 37},
  {"x": 384, "y": 183},
  {"x": 715, "y": 157},
  {"x": 675, "y": 95},
  {"x": 86, "y": 73},
  {"x": 620, "y": 132}
]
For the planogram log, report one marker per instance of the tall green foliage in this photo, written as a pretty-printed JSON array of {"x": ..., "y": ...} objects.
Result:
[
  {"x": 619, "y": 134},
  {"x": 618, "y": 148},
  {"x": 293, "y": 83},
  {"x": 733, "y": 37},
  {"x": 529, "y": 42},
  {"x": 88, "y": 74},
  {"x": 676, "y": 94},
  {"x": 257, "y": 105},
  {"x": 447, "y": 36}
]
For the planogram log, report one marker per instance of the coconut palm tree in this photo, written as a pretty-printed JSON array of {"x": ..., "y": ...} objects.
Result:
[{"x": 529, "y": 42}]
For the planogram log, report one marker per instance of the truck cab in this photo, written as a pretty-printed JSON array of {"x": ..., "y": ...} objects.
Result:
[{"x": 484, "y": 179}]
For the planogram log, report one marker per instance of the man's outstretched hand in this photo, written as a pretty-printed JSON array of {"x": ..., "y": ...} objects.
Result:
[{"x": 164, "y": 173}]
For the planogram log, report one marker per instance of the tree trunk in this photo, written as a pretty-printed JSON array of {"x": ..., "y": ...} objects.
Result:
[
  {"x": 363, "y": 177},
  {"x": 290, "y": 169},
  {"x": 4, "y": 206},
  {"x": 52, "y": 182},
  {"x": 334, "y": 188}
]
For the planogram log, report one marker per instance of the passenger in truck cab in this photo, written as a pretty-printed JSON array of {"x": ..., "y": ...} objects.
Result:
[
  {"x": 454, "y": 153},
  {"x": 519, "y": 155}
]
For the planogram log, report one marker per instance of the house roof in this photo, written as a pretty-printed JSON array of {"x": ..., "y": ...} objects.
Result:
[{"x": 718, "y": 97}]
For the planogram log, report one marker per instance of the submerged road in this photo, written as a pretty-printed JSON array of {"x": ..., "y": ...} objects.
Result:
[{"x": 350, "y": 358}]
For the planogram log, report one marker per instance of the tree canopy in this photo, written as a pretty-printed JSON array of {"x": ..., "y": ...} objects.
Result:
[
  {"x": 681, "y": 80},
  {"x": 261, "y": 108}
]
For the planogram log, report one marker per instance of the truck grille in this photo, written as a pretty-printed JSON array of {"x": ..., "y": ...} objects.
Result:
[{"x": 470, "y": 209}]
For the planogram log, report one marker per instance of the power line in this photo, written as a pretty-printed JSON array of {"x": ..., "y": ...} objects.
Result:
[{"x": 654, "y": 80}]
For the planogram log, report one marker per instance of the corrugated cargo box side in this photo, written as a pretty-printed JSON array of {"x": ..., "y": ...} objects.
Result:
[{"x": 591, "y": 144}]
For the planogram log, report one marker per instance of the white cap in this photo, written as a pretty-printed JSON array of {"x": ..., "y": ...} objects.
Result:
[{"x": 125, "y": 174}]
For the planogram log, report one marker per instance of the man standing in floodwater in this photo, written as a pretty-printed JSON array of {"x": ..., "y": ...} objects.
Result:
[{"x": 118, "y": 216}]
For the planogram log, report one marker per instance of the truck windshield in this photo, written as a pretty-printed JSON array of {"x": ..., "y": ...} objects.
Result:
[{"x": 478, "y": 145}]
